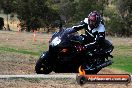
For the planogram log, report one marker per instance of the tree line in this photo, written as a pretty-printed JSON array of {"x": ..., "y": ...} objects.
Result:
[{"x": 33, "y": 14}]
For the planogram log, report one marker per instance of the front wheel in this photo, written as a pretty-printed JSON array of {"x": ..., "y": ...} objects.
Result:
[{"x": 43, "y": 65}]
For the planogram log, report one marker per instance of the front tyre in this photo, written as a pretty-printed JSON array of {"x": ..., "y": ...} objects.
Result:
[{"x": 43, "y": 65}]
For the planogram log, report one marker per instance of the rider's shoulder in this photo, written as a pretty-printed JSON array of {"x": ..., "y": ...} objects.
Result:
[
  {"x": 85, "y": 20},
  {"x": 101, "y": 28},
  {"x": 101, "y": 25}
]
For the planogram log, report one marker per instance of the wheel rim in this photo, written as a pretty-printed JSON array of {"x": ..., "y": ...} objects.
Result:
[{"x": 43, "y": 68}]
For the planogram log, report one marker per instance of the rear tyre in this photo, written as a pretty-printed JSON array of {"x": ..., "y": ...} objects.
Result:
[{"x": 43, "y": 65}]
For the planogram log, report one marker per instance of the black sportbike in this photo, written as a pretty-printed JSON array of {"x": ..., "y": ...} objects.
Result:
[{"x": 63, "y": 55}]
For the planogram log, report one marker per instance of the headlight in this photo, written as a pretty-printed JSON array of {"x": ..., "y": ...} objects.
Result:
[{"x": 55, "y": 41}]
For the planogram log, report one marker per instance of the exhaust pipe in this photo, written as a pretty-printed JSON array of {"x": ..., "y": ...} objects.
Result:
[{"x": 107, "y": 63}]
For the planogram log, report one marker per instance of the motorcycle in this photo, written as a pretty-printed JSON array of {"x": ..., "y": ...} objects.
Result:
[{"x": 63, "y": 56}]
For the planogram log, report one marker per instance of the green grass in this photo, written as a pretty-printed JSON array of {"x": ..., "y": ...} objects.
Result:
[
  {"x": 123, "y": 63},
  {"x": 127, "y": 68},
  {"x": 123, "y": 58},
  {"x": 18, "y": 51}
]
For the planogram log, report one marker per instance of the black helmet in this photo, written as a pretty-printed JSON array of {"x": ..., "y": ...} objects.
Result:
[{"x": 94, "y": 19}]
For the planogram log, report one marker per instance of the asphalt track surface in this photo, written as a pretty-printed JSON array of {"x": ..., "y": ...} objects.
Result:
[
  {"x": 72, "y": 76},
  {"x": 53, "y": 76}
]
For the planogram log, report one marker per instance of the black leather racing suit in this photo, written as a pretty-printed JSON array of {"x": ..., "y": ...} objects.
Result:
[{"x": 96, "y": 35}]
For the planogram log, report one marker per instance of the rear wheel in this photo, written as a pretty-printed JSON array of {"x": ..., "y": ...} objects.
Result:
[{"x": 43, "y": 65}]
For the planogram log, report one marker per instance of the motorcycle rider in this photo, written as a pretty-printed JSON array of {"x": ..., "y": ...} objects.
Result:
[{"x": 94, "y": 30}]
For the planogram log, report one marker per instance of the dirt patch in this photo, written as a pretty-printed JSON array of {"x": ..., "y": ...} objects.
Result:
[
  {"x": 23, "y": 40},
  {"x": 121, "y": 41},
  {"x": 15, "y": 63}
]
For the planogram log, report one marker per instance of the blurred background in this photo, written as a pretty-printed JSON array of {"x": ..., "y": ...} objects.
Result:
[
  {"x": 46, "y": 15},
  {"x": 20, "y": 47}
]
